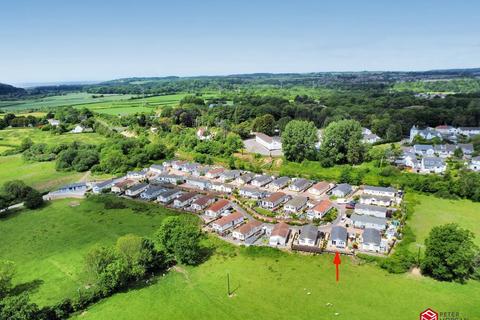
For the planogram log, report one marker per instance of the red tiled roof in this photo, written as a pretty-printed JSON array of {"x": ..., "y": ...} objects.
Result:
[
  {"x": 203, "y": 200},
  {"x": 274, "y": 197},
  {"x": 323, "y": 206},
  {"x": 186, "y": 196},
  {"x": 219, "y": 205},
  {"x": 280, "y": 229},
  {"x": 250, "y": 225},
  {"x": 124, "y": 183},
  {"x": 321, "y": 185},
  {"x": 228, "y": 219},
  {"x": 216, "y": 170}
]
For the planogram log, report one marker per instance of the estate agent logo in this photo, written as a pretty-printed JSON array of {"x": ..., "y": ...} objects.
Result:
[{"x": 429, "y": 314}]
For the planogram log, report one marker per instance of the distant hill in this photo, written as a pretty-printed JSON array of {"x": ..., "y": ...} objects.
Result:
[{"x": 8, "y": 90}]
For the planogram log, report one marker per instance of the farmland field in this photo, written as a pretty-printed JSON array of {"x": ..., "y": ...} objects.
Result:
[
  {"x": 124, "y": 107},
  {"x": 50, "y": 242},
  {"x": 275, "y": 285},
  {"x": 40, "y": 175},
  {"x": 70, "y": 99},
  {"x": 13, "y": 137}
]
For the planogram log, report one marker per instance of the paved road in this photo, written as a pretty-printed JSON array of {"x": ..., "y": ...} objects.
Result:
[{"x": 15, "y": 206}]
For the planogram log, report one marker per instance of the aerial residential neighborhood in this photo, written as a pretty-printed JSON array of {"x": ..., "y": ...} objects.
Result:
[{"x": 240, "y": 160}]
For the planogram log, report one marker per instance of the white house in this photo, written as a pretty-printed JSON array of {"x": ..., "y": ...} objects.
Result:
[
  {"x": 122, "y": 185},
  {"x": 279, "y": 183},
  {"x": 295, "y": 205},
  {"x": 214, "y": 173},
  {"x": 371, "y": 240},
  {"x": 270, "y": 143},
  {"x": 427, "y": 133},
  {"x": 170, "y": 178},
  {"x": 78, "y": 129},
  {"x": 245, "y": 178},
  {"x": 433, "y": 165},
  {"x": 338, "y": 237},
  {"x": 185, "y": 199},
  {"x": 299, "y": 185},
  {"x": 201, "y": 184},
  {"x": 274, "y": 200},
  {"x": 380, "y": 191},
  {"x": 157, "y": 168},
  {"x": 54, "y": 122},
  {"x": 424, "y": 149},
  {"x": 320, "y": 210},
  {"x": 375, "y": 200},
  {"x": 342, "y": 190},
  {"x": 221, "y": 187},
  {"x": 152, "y": 192},
  {"x": 363, "y": 221},
  {"x": 247, "y": 230},
  {"x": 474, "y": 164},
  {"x": 252, "y": 193},
  {"x": 308, "y": 235},
  {"x": 202, "y": 202},
  {"x": 279, "y": 235},
  {"x": 169, "y": 195},
  {"x": 260, "y": 181},
  {"x": 370, "y": 210},
  {"x": 104, "y": 185},
  {"x": 230, "y": 221},
  {"x": 137, "y": 175},
  {"x": 229, "y": 175},
  {"x": 136, "y": 189},
  {"x": 218, "y": 208}
]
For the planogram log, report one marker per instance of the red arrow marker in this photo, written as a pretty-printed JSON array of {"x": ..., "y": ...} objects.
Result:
[{"x": 337, "y": 261}]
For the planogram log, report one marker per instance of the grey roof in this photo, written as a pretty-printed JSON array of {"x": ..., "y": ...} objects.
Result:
[
  {"x": 431, "y": 162},
  {"x": 169, "y": 176},
  {"x": 477, "y": 158},
  {"x": 247, "y": 177},
  {"x": 169, "y": 193},
  {"x": 138, "y": 186},
  {"x": 382, "y": 189},
  {"x": 263, "y": 179},
  {"x": 104, "y": 184},
  {"x": 157, "y": 166},
  {"x": 370, "y": 208},
  {"x": 378, "y": 198},
  {"x": 280, "y": 182},
  {"x": 196, "y": 180},
  {"x": 371, "y": 235},
  {"x": 423, "y": 147},
  {"x": 297, "y": 202},
  {"x": 153, "y": 189},
  {"x": 343, "y": 187},
  {"x": 301, "y": 183},
  {"x": 230, "y": 173},
  {"x": 309, "y": 232},
  {"x": 74, "y": 186},
  {"x": 253, "y": 190},
  {"x": 466, "y": 147},
  {"x": 368, "y": 219},
  {"x": 339, "y": 233}
]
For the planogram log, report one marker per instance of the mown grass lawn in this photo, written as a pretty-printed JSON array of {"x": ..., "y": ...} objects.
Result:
[
  {"x": 48, "y": 245},
  {"x": 431, "y": 211},
  {"x": 286, "y": 286},
  {"x": 40, "y": 175}
]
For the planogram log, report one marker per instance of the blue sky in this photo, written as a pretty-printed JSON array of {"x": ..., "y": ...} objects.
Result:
[{"x": 43, "y": 41}]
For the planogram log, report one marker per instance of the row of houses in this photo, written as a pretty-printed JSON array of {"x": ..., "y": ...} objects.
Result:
[{"x": 442, "y": 132}]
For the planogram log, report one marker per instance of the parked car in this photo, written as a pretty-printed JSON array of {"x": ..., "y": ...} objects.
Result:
[{"x": 351, "y": 205}]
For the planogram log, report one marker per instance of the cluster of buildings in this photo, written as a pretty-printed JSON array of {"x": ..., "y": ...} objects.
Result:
[{"x": 443, "y": 132}]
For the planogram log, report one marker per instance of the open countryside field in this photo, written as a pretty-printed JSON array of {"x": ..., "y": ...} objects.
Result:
[
  {"x": 130, "y": 106},
  {"x": 40, "y": 175},
  {"x": 432, "y": 211},
  {"x": 13, "y": 137},
  {"x": 50, "y": 243},
  {"x": 69, "y": 99},
  {"x": 276, "y": 285}
]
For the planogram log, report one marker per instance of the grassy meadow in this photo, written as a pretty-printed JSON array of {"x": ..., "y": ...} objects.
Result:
[
  {"x": 269, "y": 284},
  {"x": 40, "y": 175},
  {"x": 69, "y": 99},
  {"x": 11, "y": 138},
  {"x": 48, "y": 245}
]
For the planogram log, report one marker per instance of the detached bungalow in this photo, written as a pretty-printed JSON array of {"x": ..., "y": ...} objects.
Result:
[
  {"x": 375, "y": 200},
  {"x": 433, "y": 165},
  {"x": 185, "y": 199},
  {"x": 362, "y": 221},
  {"x": 320, "y": 210},
  {"x": 230, "y": 221},
  {"x": 379, "y": 191},
  {"x": 274, "y": 200},
  {"x": 202, "y": 202},
  {"x": 214, "y": 173},
  {"x": 170, "y": 178},
  {"x": 308, "y": 235},
  {"x": 74, "y": 187},
  {"x": 371, "y": 240},
  {"x": 137, "y": 175},
  {"x": 249, "y": 229},
  {"x": 229, "y": 175},
  {"x": 152, "y": 192},
  {"x": 200, "y": 184},
  {"x": 245, "y": 178},
  {"x": 122, "y": 185},
  {"x": 169, "y": 195},
  {"x": 218, "y": 208},
  {"x": 338, "y": 237},
  {"x": 104, "y": 185},
  {"x": 260, "y": 181},
  {"x": 279, "y": 183},
  {"x": 280, "y": 234},
  {"x": 320, "y": 188},
  {"x": 295, "y": 205},
  {"x": 252, "y": 193},
  {"x": 369, "y": 210},
  {"x": 299, "y": 185},
  {"x": 270, "y": 143},
  {"x": 157, "y": 168},
  {"x": 424, "y": 149},
  {"x": 221, "y": 187},
  {"x": 342, "y": 190},
  {"x": 136, "y": 189}
]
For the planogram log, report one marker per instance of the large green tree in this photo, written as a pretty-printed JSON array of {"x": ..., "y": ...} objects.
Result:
[
  {"x": 265, "y": 124},
  {"x": 450, "y": 253},
  {"x": 341, "y": 143},
  {"x": 298, "y": 140}
]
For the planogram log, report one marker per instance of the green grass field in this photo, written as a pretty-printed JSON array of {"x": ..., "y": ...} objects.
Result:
[
  {"x": 70, "y": 99},
  {"x": 124, "y": 107},
  {"x": 12, "y": 138},
  {"x": 432, "y": 211},
  {"x": 48, "y": 245},
  {"x": 286, "y": 286},
  {"x": 40, "y": 175}
]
